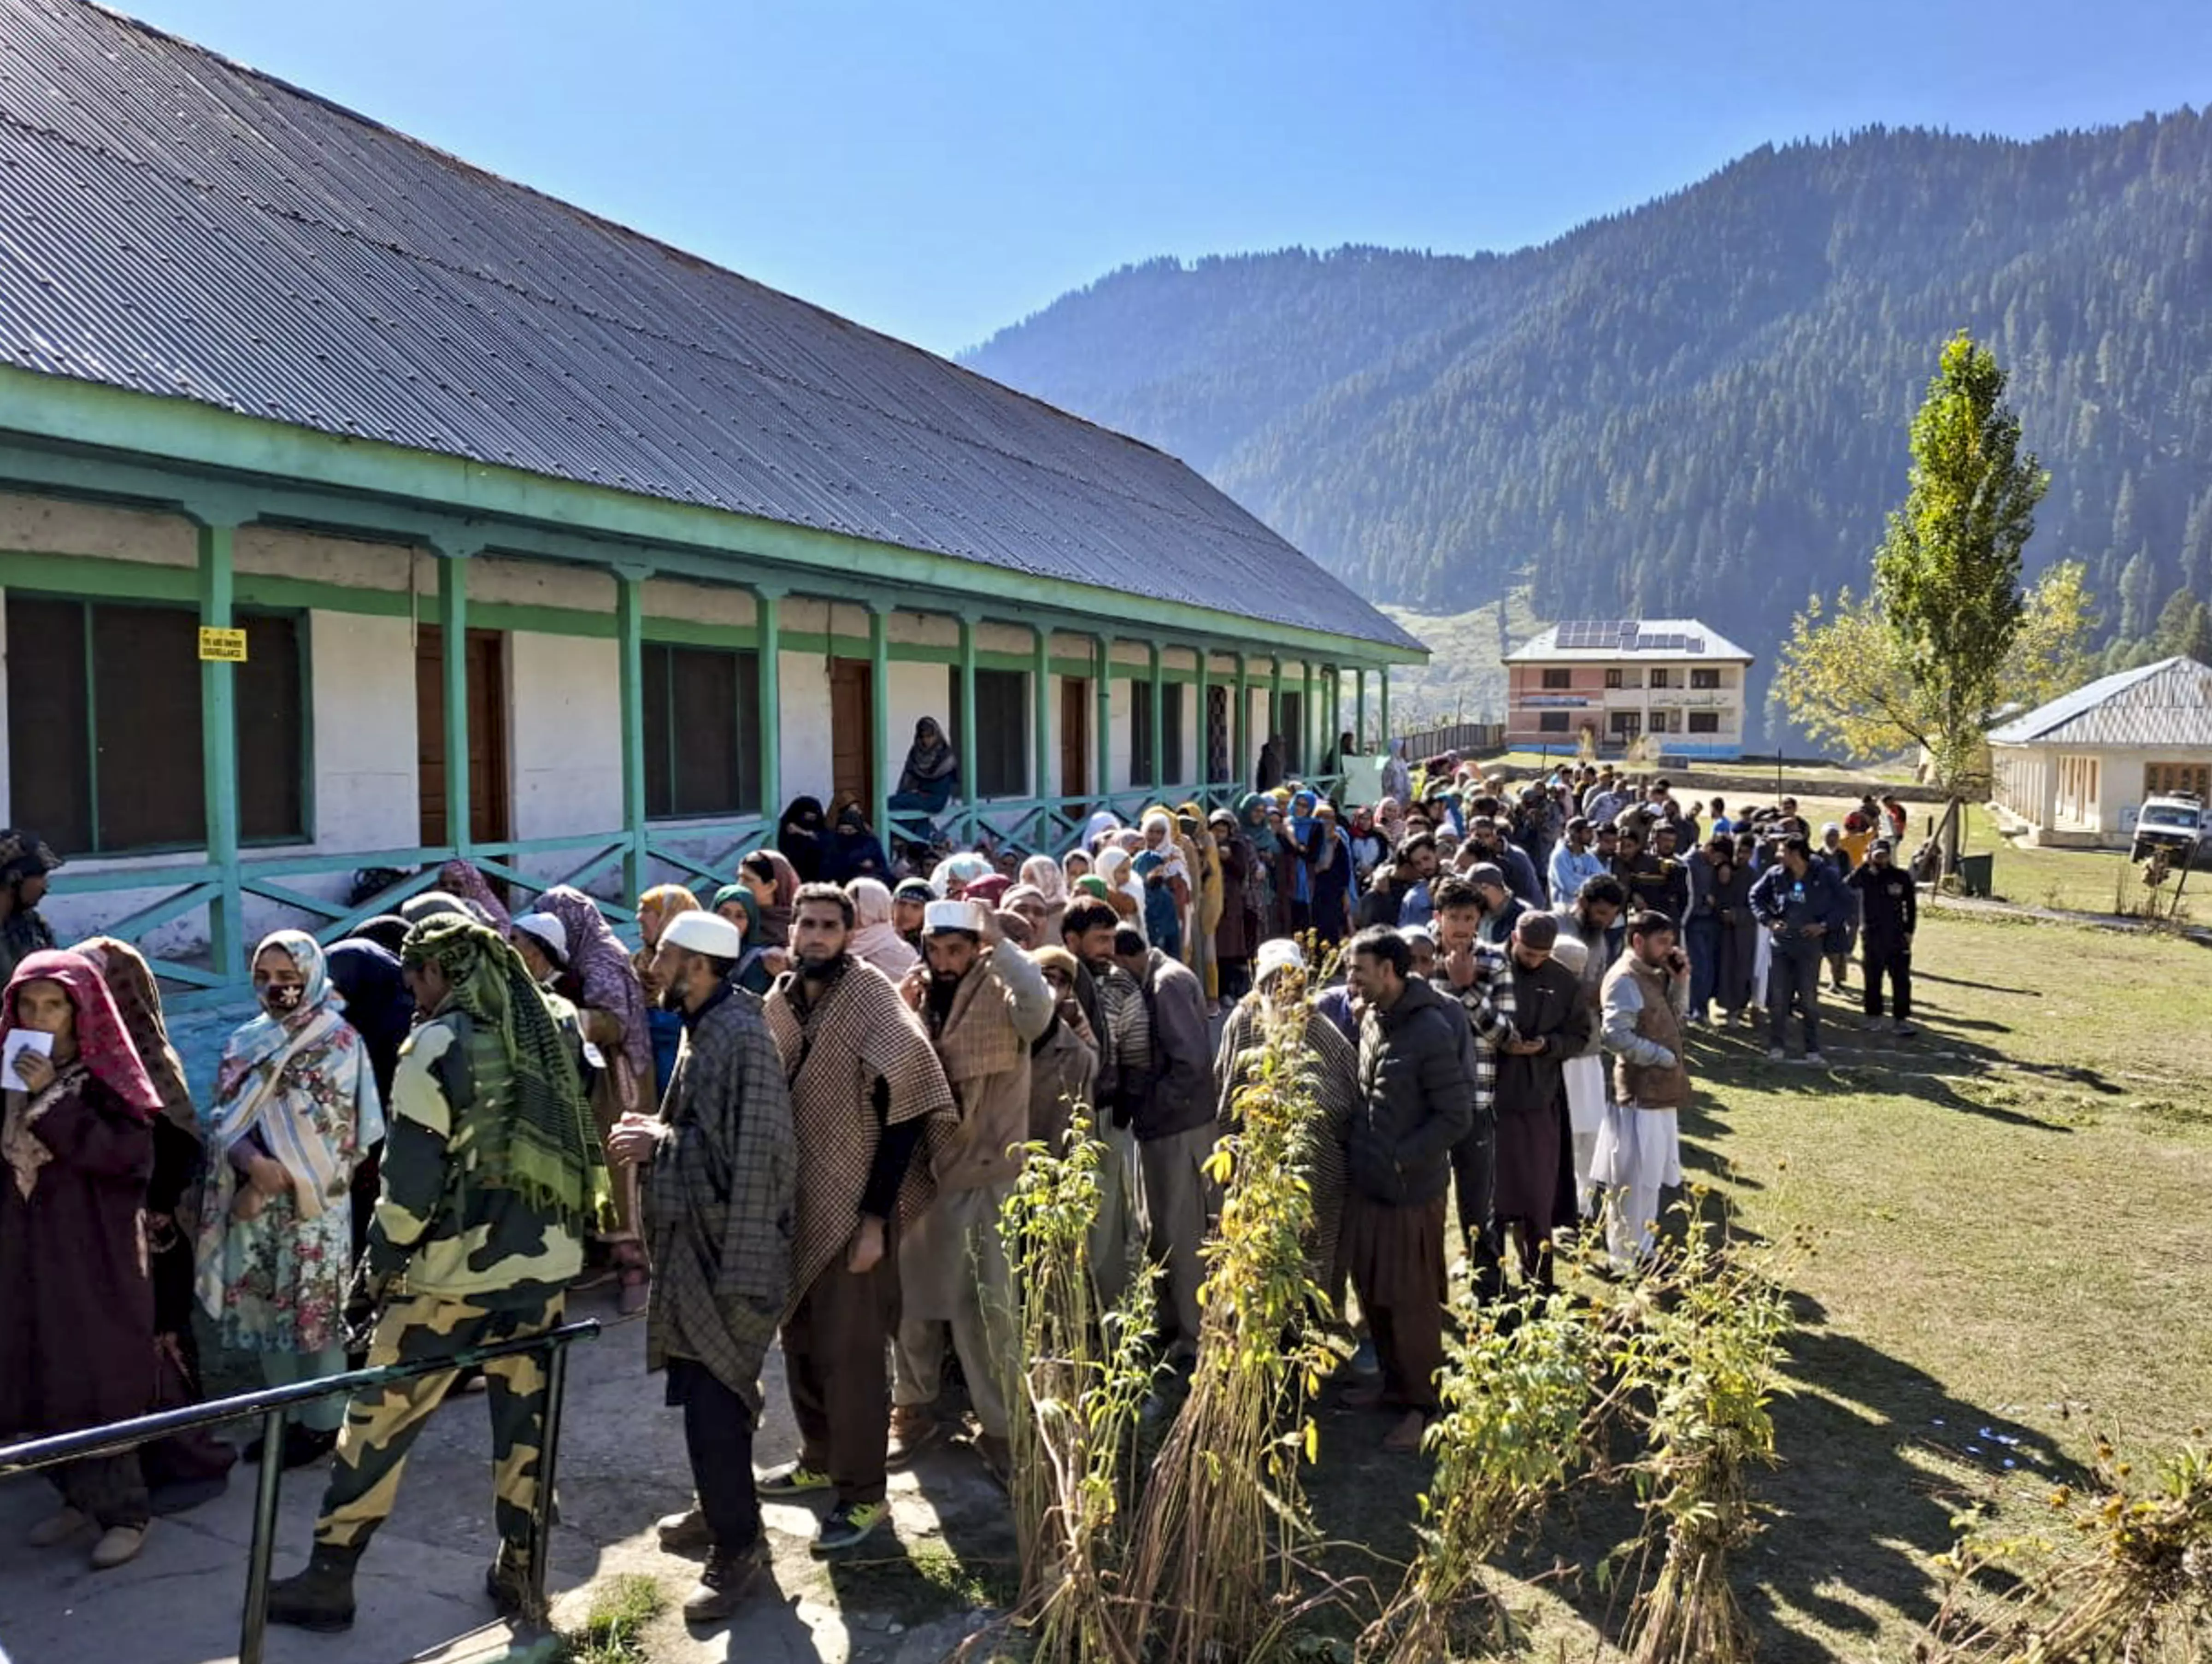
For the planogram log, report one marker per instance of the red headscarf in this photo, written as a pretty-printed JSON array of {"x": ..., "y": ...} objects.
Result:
[{"x": 103, "y": 1044}]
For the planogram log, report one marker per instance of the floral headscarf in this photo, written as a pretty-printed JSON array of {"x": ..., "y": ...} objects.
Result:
[
  {"x": 1046, "y": 875},
  {"x": 664, "y": 902}
]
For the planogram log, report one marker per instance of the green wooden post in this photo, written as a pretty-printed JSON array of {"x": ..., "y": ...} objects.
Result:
[
  {"x": 1102, "y": 742},
  {"x": 968, "y": 783},
  {"x": 1204, "y": 773},
  {"x": 1385, "y": 675},
  {"x": 1240, "y": 765},
  {"x": 629, "y": 649},
  {"x": 453, "y": 629},
  {"x": 879, "y": 700},
  {"x": 1309, "y": 754},
  {"x": 1040, "y": 735},
  {"x": 1159, "y": 717},
  {"x": 1275, "y": 704},
  {"x": 768, "y": 604},
  {"x": 219, "y": 754},
  {"x": 1359, "y": 702}
]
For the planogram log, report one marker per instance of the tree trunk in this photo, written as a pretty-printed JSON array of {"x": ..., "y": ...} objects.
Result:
[{"x": 1947, "y": 838}]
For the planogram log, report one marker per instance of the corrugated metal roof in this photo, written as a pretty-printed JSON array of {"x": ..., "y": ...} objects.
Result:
[
  {"x": 2169, "y": 703},
  {"x": 1610, "y": 640},
  {"x": 179, "y": 224}
]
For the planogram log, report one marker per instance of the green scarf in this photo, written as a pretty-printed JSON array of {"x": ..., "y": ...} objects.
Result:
[{"x": 527, "y": 1126}]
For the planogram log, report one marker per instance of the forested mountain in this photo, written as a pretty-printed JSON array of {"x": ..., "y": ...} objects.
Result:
[{"x": 1697, "y": 407}]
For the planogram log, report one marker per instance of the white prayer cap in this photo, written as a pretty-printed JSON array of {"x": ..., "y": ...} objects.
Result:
[
  {"x": 1281, "y": 954},
  {"x": 708, "y": 933},
  {"x": 952, "y": 915},
  {"x": 1572, "y": 952},
  {"x": 549, "y": 932}
]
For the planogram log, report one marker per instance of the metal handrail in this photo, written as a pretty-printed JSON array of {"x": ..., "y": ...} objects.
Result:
[{"x": 271, "y": 1402}]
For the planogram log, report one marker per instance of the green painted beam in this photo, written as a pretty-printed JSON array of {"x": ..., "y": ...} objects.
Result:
[
  {"x": 630, "y": 621},
  {"x": 1041, "y": 718},
  {"x": 1275, "y": 700},
  {"x": 1309, "y": 757},
  {"x": 238, "y": 450},
  {"x": 1359, "y": 701},
  {"x": 1159, "y": 772},
  {"x": 1386, "y": 708},
  {"x": 1204, "y": 723},
  {"x": 1243, "y": 727},
  {"x": 453, "y": 626},
  {"x": 219, "y": 752},
  {"x": 1102, "y": 743},
  {"x": 968, "y": 726},
  {"x": 768, "y": 623},
  {"x": 879, "y": 716}
]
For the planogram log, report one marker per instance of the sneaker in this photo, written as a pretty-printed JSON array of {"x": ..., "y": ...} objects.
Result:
[
  {"x": 1814, "y": 1061},
  {"x": 57, "y": 1528},
  {"x": 117, "y": 1546},
  {"x": 792, "y": 1479},
  {"x": 724, "y": 1582},
  {"x": 687, "y": 1533},
  {"x": 1776, "y": 1054},
  {"x": 914, "y": 1428},
  {"x": 1695, "y": 1019},
  {"x": 849, "y": 1525}
]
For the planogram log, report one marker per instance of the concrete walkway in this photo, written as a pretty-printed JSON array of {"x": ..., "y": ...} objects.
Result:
[{"x": 622, "y": 1465}]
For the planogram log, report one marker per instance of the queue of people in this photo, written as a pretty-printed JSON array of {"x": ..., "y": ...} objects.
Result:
[{"x": 793, "y": 1115}]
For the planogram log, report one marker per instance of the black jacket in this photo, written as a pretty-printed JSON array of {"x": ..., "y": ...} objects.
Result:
[
  {"x": 1547, "y": 1005},
  {"x": 1417, "y": 1097},
  {"x": 1890, "y": 899}
]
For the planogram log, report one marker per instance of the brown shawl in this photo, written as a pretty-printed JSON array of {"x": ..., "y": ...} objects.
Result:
[
  {"x": 137, "y": 1000},
  {"x": 860, "y": 1032}
]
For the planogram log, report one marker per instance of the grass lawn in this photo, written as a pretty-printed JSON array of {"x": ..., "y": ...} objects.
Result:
[{"x": 2009, "y": 1220}]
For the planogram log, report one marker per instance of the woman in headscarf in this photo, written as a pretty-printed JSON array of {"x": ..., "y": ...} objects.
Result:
[
  {"x": 757, "y": 965},
  {"x": 930, "y": 779},
  {"x": 1234, "y": 938},
  {"x": 655, "y": 908},
  {"x": 875, "y": 938},
  {"x": 1076, "y": 865},
  {"x": 990, "y": 888},
  {"x": 1205, "y": 902},
  {"x": 855, "y": 850},
  {"x": 1122, "y": 888},
  {"x": 76, "y": 1328},
  {"x": 1369, "y": 848},
  {"x": 803, "y": 836},
  {"x": 774, "y": 882},
  {"x": 295, "y": 1108},
  {"x": 1263, "y": 898},
  {"x": 610, "y": 1004},
  {"x": 382, "y": 1012},
  {"x": 191, "y": 1468},
  {"x": 461, "y": 880},
  {"x": 1101, "y": 822},
  {"x": 1398, "y": 774},
  {"x": 1046, "y": 876}
]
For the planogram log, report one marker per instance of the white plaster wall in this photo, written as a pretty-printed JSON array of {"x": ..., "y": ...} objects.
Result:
[
  {"x": 564, "y": 737},
  {"x": 362, "y": 704},
  {"x": 50, "y": 526},
  {"x": 539, "y": 584},
  {"x": 1117, "y": 735},
  {"x": 803, "y": 683},
  {"x": 282, "y": 552},
  {"x": 704, "y": 604}
]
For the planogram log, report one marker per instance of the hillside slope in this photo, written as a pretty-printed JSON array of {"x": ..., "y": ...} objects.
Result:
[{"x": 1697, "y": 407}]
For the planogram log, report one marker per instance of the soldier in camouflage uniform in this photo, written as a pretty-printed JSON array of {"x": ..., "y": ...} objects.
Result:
[{"x": 492, "y": 1175}]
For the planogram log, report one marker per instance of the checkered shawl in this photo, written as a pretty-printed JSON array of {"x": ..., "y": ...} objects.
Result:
[
  {"x": 1331, "y": 1068},
  {"x": 834, "y": 1053},
  {"x": 720, "y": 1200},
  {"x": 1488, "y": 1002}
]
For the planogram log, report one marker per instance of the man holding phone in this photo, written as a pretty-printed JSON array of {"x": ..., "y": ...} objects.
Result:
[{"x": 1645, "y": 998}]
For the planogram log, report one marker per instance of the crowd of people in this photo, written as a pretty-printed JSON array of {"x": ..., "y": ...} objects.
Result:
[{"x": 794, "y": 1114}]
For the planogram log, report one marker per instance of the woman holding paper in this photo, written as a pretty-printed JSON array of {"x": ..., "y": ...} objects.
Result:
[
  {"x": 77, "y": 1326},
  {"x": 296, "y": 1109}
]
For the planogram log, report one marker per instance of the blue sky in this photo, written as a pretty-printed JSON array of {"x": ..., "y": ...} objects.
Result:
[{"x": 940, "y": 170}]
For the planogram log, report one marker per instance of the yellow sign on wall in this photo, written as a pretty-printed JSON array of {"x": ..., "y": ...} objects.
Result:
[{"x": 226, "y": 645}]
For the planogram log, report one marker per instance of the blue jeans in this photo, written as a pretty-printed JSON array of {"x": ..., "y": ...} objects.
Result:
[
  {"x": 1793, "y": 979},
  {"x": 1704, "y": 949}
]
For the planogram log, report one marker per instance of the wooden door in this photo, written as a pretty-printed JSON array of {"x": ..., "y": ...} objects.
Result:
[
  {"x": 1216, "y": 764},
  {"x": 489, "y": 820},
  {"x": 853, "y": 729},
  {"x": 1074, "y": 738}
]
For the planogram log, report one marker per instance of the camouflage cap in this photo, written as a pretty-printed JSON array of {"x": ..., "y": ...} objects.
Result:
[{"x": 24, "y": 855}]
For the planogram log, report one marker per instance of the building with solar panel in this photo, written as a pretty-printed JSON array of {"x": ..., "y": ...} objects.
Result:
[{"x": 1612, "y": 683}]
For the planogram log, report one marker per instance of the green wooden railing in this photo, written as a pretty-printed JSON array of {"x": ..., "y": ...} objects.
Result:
[{"x": 703, "y": 851}]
